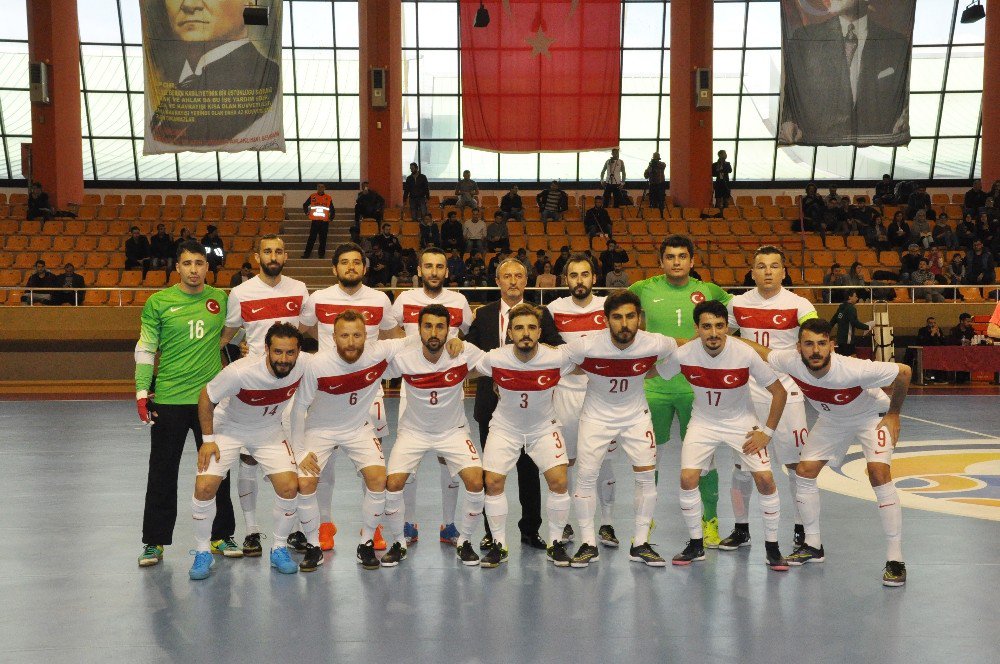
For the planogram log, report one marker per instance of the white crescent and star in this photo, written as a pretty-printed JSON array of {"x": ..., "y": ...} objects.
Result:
[
  {"x": 290, "y": 392},
  {"x": 599, "y": 319},
  {"x": 640, "y": 366},
  {"x": 291, "y": 306},
  {"x": 371, "y": 375},
  {"x": 450, "y": 376},
  {"x": 725, "y": 379},
  {"x": 837, "y": 398},
  {"x": 544, "y": 380},
  {"x": 779, "y": 319}
]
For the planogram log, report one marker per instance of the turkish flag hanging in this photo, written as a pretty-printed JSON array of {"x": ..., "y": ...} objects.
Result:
[{"x": 543, "y": 76}]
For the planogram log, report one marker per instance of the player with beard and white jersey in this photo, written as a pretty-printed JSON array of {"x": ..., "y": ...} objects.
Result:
[
  {"x": 241, "y": 408},
  {"x": 576, "y": 316},
  {"x": 319, "y": 312},
  {"x": 847, "y": 394},
  {"x": 432, "y": 268},
  {"x": 255, "y": 305},
  {"x": 770, "y": 316}
]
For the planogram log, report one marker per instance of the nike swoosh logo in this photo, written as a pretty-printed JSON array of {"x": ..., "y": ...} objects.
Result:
[
  {"x": 504, "y": 379},
  {"x": 744, "y": 317},
  {"x": 659, "y": 299},
  {"x": 176, "y": 309},
  {"x": 560, "y": 455},
  {"x": 882, "y": 452},
  {"x": 601, "y": 366},
  {"x": 256, "y": 400},
  {"x": 381, "y": 427},
  {"x": 693, "y": 376},
  {"x": 253, "y": 311}
]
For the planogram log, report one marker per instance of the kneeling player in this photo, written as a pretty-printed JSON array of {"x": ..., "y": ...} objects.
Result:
[
  {"x": 719, "y": 370},
  {"x": 256, "y": 391}
]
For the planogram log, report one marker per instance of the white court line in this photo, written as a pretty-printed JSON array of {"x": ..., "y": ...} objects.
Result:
[{"x": 948, "y": 426}]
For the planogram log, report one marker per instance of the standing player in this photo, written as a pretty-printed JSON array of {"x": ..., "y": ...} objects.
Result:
[
  {"x": 615, "y": 409},
  {"x": 433, "y": 272},
  {"x": 255, "y": 305},
  {"x": 852, "y": 408},
  {"x": 318, "y": 314},
  {"x": 254, "y": 392},
  {"x": 337, "y": 391},
  {"x": 577, "y": 315},
  {"x": 720, "y": 372},
  {"x": 770, "y": 316},
  {"x": 525, "y": 374},
  {"x": 668, "y": 301},
  {"x": 183, "y": 323},
  {"x": 434, "y": 420}
]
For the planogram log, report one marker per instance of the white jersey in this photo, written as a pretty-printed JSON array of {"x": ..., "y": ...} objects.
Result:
[
  {"x": 615, "y": 377},
  {"x": 406, "y": 309},
  {"x": 338, "y": 394},
  {"x": 721, "y": 384},
  {"x": 256, "y": 306},
  {"x": 250, "y": 398},
  {"x": 851, "y": 386},
  {"x": 322, "y": 307},
  {"x": 434, "y": 390},
  {"x": 575, "y": 322},
  {"x": 525, "y": 388},
  {"x": 773, "y": 323}
]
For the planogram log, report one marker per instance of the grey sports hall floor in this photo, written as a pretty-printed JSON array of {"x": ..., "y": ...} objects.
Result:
[{"x": 72, "y": 476}]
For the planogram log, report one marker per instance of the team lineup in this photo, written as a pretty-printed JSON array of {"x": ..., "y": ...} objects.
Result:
[{"x": 561, "y": 390}]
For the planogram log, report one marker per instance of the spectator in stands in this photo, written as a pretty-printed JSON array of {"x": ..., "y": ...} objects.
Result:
[
  {"x": 430, "y": 234},
  {"x": 380, "y": 268},
  {"x": 720, "y": 171},
  {"x": 597, "y": 221},
  {"x": 184, "y": 235},
  {"x": 835, "y": 277},
  {"x": 877, "y": 236},
  {"x": 491, "y": 267},
  {"x": 475, "y": 260},
  {"x": 452, "y": 234},
  {"x": 405, "y": 278},
  {"x": 319, "y": 209},
  {"x": 541, "y": 260},
  {"x": 857, "y": 276},
  {"x": 919, "y": 200},
  {"x": 617, "y": 278},
  {"x": 931, "y": 335},
  {"x": 936, "y": 259},
  {"x": 613, "y": 180},
  {"x": 497, "y": 233},
  {"x": 40, "y": 278},
  {"x": 388, "y": 243},
  {"x": 954, "y": 271},
  {"x": 991, "y": 210},
  {"x": 909, "y": 262},
  {"x": 417, "y": 190},
  {"x": 846, "y": 320},
  {"x": 161, "y": 249},
  {"x": 966, "y": 231},
  {"x": 511, "y": 205},
  {"x": 995, "y": 190},
  {"x": 813, "y": 208},
  {"x": 561, "y": 260},
  {"x": 39, "y": 206},
  {"x": 467, "y": 192},
  {"x": 369, "y": 204},
  {"x": 899, "y": 232},
  {"x": 845, "y": 219},
  {"x": 245, "y": 274},
  {"x": 456, "y": 266},
  {"x": 552, "y": 202},
  {"x": 921, "y": 229},
  {"x": 545, "y": 278},
  {"x": 943, "y": 233},
  {"x": 474, "y": 231},
  {"x": 529, "y": 265},
  {"x": 985, "y": 230},
  {"x": 68, "y": 279},
  {"x": 409, "y": 260},
  {"x": 961, "y": 335},
  {"x": 477, "y": 279},
  {"x": 137, "y": 256},
  {"x": 885, "y": 191},
  {"x": 613, "y": 254},
  {"x": 923, "y": 276},
  {"x": 832, "y": 197},
  {"x": 975, "y": 198},
  {"x": 656, "y": 176},
  {"x": 215, "y": 249},
  {"x": 980, "y": 268}
]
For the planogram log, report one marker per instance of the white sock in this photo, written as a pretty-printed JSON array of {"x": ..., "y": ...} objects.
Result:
[
  {"x": 606, "y": 489},
  {"x": 807, "y": 498},
  {"x": 645, "y": 503},
  {"x": 309, "y": 517},
  {"x": 794, "y": 488},
  {"x": 285, "y": 513},
  {"x": 372, "y": 506},
  {"x": 203, "y": 514},
  {"x": 740, "y": 492},
  {"x": 472, "y": 510},
  {"x": 770, "y": 507},
  {"x": 692, "y": 510},
  {"x": 557, "y": 510},
  {"x": 585, "y": 503},
  {"x": 496, "y": 515},
  {"x": 449, "y": 495},
  {"x": 891, "y": 513},
  {"x": 246, "y": 487},
  {"x": 324, "y": 492},
  {"x": 410, "y": 496},
  {"x": 395, "y": 517}
]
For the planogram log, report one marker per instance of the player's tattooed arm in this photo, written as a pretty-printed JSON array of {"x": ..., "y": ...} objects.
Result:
[
  {"x": 900, "y": 387},
  {"x": 206, "y": 411}
]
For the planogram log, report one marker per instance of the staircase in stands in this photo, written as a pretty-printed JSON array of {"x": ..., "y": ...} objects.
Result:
[{"x": 315, "y": 272}]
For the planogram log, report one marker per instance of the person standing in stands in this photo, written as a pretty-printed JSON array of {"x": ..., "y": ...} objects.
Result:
[
  {"x": 319, "y": 208},
  {"x": 613, "y": 179},
  {"x": 417, "y": 190},
  {"x": 846, "y": 320},
  {"x": 720, "y": 171}
]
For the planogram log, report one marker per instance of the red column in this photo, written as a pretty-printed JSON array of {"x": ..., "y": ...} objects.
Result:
[
  {"x": 381, "y": 31},
  {"x": 989, "y": 149},
  {"x": 690, "y": 129},
  {"x": 56, "y": 139}
]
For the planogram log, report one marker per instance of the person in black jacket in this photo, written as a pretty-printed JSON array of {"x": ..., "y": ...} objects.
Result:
[
  {"x": 512, "y": 206},
  {"x": 39, "y": 206},
  {"x": 975, "y": 198},
  {"x": 931, "y": 335},
  {"x": 40, "y": 278},
  {"x": 885, "y": 191},
  {"x": 452, "y": 234},
  {"x": 68, "y": 279},
  {"x": 485, "y": 332},
  {"x": 597, "y": 221},
  {"x": 417, "y": 190},
  {"x": 137, "y": 252},
  {"x": 161, "y": 249},
  {"x": 369, "y": 204}
]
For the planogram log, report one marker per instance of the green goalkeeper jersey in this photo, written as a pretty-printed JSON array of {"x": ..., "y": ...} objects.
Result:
[
  {"x": 669, "y": 310},
  {"x": 185, "y": 330}
]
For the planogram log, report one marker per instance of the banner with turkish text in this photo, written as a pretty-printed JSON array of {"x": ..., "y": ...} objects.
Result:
[
  {"x": 543, "y": 76},
  {"x": 212, "y": 83},
  {"x": 846, "y": 72}
]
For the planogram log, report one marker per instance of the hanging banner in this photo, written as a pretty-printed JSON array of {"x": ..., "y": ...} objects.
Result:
[
  {"x": 544, "y": 75},
  {"x": 846, "y": 72},
  {"x": 212, "y": 83}
]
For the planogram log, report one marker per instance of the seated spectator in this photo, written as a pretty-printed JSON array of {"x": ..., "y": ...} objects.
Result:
[
  {"x": 409, "y": 260},
  {"x": 935, "y": 262},
  {"x": 922, "y": 276},
  {"x": 813, "y": 209},
  {"x": 474, "y": 231},
  {"x": 161, "y": 249},
  {"x": 430, "y": 234},
  {"x": 975, "y": 198},
  {"x": 380, "y": 268},
  {"x": 511, "y": 205},
  {"x": 899, "y": 232},
  {"x": 857, "y": 275},
  {"x": 931, "y": 335},
  {"x": 833, "y": 198},
  {"x": 137, "y": 252},
  {"x": 405, "y": 278},
  {"x": 476, "y": 278},
  {"x": 475, "y": 260},
  {"x": 877, "y": 236},
  {"x": 388, "y": 243},
  {"x": 980, "y": 268},
  {"x": 961, "y": 335},
  {"x": 610, "y": 256},
  {"x": 966, "y": 231},
  {"x": 69, "y": 279},
  {"x": 40, "y": 278},
  {"x": 467, "y": 192},
  {"x": 39, "y": 206},
  {"x": 491, "y": 267},
  {"x": 552, "y": 202},
  {"x": 497, "y": 233},
  {"x": 545, "y": 278},
  {"x": 954, "y": 271},
  {"x": 919, "y": 200},
  {"x": 368, "y": 204},
  {"x": 921, "y": 229},
  {"x": 943, "y": 233},
  {"x": 885, "y": 191},
  {"x": 559, "y": 266},
  {"x": 245, "y": 274},
  {"x": 985, "y": 230},
  {"x": 215, "y": 250},
  {"x": 182, "y": 236},
  {"x": 846, "y": 321},
  {"x": 529, "y": 265},
  {"x": 597, "y": 221},
  {"x": 541, "y": 259},
  {"x": 835, "y": 277},
  {"x": 909, "y": 262},
  {"x": 452, "y": 234},
  {"x": 845, "y": 216},
  {"x": 456, "y": 266},
  {"x": 617, "y": 278}
]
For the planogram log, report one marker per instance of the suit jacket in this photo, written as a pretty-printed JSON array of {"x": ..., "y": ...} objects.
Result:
[
  {"x": 817, "y": 92},
  {"x": 484, "y": 333}
]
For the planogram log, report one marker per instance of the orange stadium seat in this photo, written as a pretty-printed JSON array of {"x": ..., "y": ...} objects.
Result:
[
  {"x": 96, "y": 260},
  {"x": 132, "y": 199},
  {"x": 173, "y": 199},
  {"x": 149, "y": 212},
  {"x": 110, "y": 243},
  {"x": 107, "y": 212},
  {"x": 275, "y": 200},
  {"x": 823, "y": 258},
  {"x": 86, "y": 212},
  {"x": 63, "y": 243},
  {"x": 10, "y": 278},
  {"x": 764, "y": 201},
  {"x": 130, "y": 278},
  {"x": 31, "y": 227},
  {"x": 88, "y": 199},
  {"x": 254, "y": 214},
  {"x": 39, "y": 242},
  {"x": 52, "y": 228},
  {"x": 152, "y": 199},
  {"x": 18, "y": 199},
  {"x": 189, "y": 213},
  {"x": 234, "y": 200},
  {"x": 157, "y": 278},
  {"x": 121, "y": 227},
  {"x": 751, "y": 213},
  {"x": 8, "y": 227},
  {"x": 74, "y": 257},
  {"x": 744, "y": 201},
  {"x": 254, "y": 201},
  {"x": 112, "y": 199},
  {"x": 213, "y": 214},
  {"x": 116, "y": 260},
  {"x": 193, "y": 200},
  {"x": 233, "y": 213}
]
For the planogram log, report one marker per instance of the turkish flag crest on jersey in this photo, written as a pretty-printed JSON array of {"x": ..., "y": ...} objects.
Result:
[{"x": 544, "y": 75}]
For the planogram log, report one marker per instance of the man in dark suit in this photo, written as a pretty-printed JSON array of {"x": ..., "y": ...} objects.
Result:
[
  {"x": 485, "y": 332},
  {"x": 846, "y": 81}
]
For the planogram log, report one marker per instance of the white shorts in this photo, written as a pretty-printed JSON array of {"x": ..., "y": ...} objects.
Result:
[
  {"x": 829, "y": 440},
  {"x": 272, "y": 452},
  {"x": 568, "y": 404},
  {"x": 546, "y": 448},
  {"x": 702, "y": 439},
  {"x": 362, "y": 448},
  {"x": 791, "y": 434},
  {"x": 596, "y": 439},
  {"x": 376, "y": 415},
  {"x": 455, "y": 447}
]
